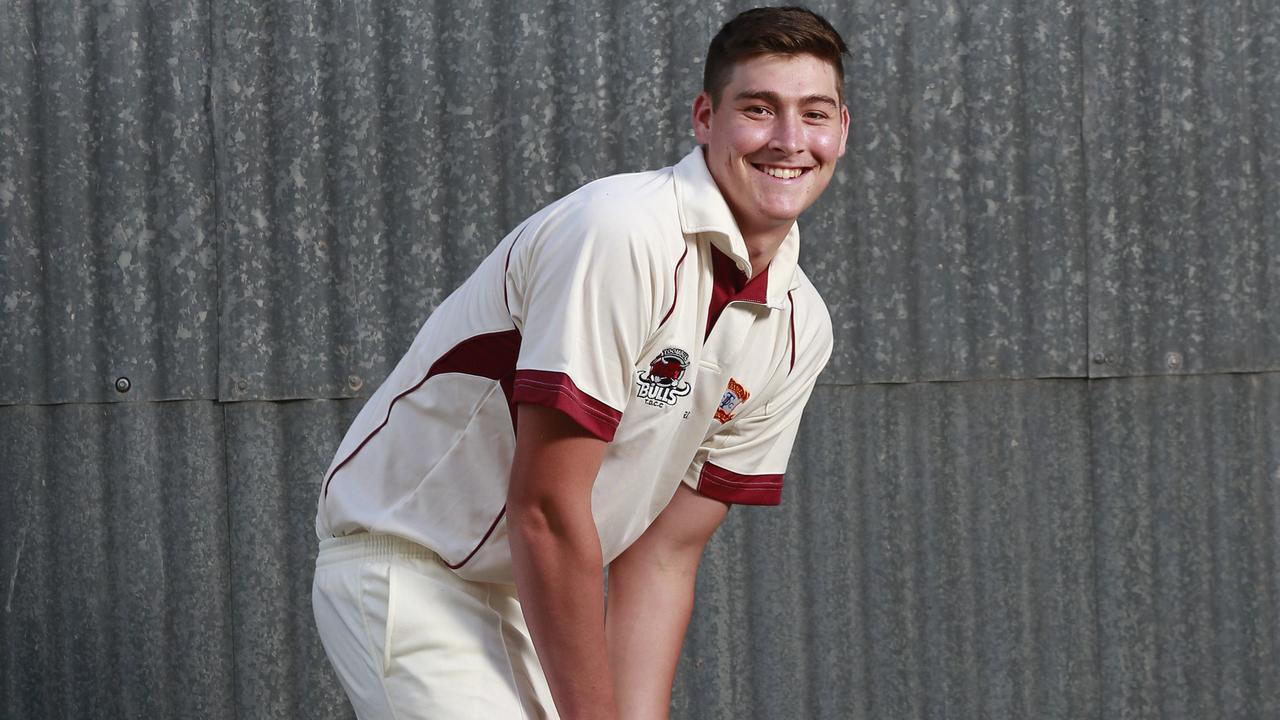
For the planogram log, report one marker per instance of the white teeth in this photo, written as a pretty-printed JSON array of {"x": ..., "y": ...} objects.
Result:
[{"x": 784, "y": 173}]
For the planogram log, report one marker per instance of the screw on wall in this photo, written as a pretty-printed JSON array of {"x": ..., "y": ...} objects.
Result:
[
  {"x": 1101, "y": 358},
  {"x": 123, "y": 384},
  {"x": 1173, "y": 360},
  {"x": 354, "y": 383}
]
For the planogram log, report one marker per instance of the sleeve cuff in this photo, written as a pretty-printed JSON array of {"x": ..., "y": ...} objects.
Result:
[
  {"x": 731, "y": 487},
  {"x": 556, "y": 390}
]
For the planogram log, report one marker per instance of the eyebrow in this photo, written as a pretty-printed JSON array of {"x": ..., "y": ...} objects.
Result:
[{"x": 774, "y": 98}]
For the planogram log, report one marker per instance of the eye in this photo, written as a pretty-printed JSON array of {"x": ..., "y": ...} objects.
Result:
[
  {"x": 816, "y": 115},
  {"x": 760, "y": 110}
]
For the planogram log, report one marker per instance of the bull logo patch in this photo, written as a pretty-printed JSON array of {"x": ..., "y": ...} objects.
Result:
[
  {"x": 734, "y": 396},
  {"x": 663, "y": 383}
]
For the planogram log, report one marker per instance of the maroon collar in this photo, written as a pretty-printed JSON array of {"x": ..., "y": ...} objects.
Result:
[
  {"x": 733, "y": 282},
  {"x": 729, "y": 284}
]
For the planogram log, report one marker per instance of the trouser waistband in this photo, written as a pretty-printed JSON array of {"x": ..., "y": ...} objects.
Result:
[{"x": 371, "y": 546}]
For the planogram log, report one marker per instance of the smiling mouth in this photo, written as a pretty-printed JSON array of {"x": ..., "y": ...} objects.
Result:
[{"x": 780, "y": 172}]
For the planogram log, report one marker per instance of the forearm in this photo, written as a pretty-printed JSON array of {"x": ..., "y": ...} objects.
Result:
[
  {"x": 651, "y": 588},
  {"x": 556, "y": 559},
  {"x": 648, "y": 613},
  {"x": 559, "y": 577}
]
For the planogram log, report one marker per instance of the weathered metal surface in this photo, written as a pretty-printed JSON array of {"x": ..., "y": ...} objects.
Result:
[
  {"x": 371, "y": 156},
  {"x": 951, "y": 243},
  {"x": 365, "y": 171},
  {"x": 1187, "y": 477},
  {"x": 107, "y": 257},
  {"x": 276, "y": 454},
  {"x": 1057, "y": 549},
  {"x": 932, "y": 557},
  {"x": 1017, "y": 173},
  {"x": 1184, "y": 186},
  {"x": 114, "y": 564}
]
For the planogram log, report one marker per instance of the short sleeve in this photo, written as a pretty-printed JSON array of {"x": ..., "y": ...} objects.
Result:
[
  {"x": 745, "y": 460},
  {"x": 581, "y": 291}
]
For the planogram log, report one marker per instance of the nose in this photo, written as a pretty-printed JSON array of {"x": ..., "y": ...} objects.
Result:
[{"x": 788, "y": 134}]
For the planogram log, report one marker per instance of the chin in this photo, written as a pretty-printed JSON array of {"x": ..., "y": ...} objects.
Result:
[{"x": 783, "y": 213}]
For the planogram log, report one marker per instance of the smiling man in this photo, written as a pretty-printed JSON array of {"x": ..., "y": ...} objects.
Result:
[{"x": 630, "y": 361}]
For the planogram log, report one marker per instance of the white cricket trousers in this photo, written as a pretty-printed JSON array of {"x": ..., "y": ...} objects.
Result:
[{"x": 409, "y": 639}]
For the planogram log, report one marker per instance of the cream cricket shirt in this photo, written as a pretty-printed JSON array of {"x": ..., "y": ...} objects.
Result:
[{"x": 599, "y": 306}]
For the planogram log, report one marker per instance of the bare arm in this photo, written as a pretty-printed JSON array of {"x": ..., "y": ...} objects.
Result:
[
  {"x": 650, "y": 600},
  {"x": 556, "y": 558}
]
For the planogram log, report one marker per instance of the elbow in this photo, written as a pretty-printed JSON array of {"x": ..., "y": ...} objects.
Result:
[
  {"x": 529, "y": 520},
  {"x": 552, "y": 537},
  {"x": 547, "y": 519}
]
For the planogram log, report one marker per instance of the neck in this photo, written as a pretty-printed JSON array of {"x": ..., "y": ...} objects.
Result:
[{"x": 763, "y": 245}]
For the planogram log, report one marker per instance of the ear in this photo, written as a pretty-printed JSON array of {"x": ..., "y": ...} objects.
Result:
[
  {"x": 701, "y": 118},
  {"x": 844, "y": 127}
]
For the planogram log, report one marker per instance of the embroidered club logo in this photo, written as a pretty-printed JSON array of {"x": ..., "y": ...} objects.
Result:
[
  {"x": 734, "y": 396},
  {"x": 663, "y": 383}
]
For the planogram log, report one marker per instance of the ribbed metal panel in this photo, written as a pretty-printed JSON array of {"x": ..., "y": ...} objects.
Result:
[
  {"x": 365, "y": 170},
  {"x": 1188, "y": 537},
  {"x": 943, "y": 549},
  {"x": 107, "y": 260},
  {"x": 933, "y": 557},
  {"x": 276, "y": 455},
  {"x": 114, "y": 562},
  {"x": 951, "y": 244},
  {"x": 1030, "y": 187},
  {"x": 370, "y": 156},
  {"x": 1184, "y": 200}
]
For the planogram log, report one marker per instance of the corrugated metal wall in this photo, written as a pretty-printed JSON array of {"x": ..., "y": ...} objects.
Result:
[{"x": 1039, "y": 479}]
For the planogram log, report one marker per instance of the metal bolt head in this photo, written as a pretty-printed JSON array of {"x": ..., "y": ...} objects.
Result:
[
  {"x": 354, "y": 382},
  {"x": 242, "y": 384},
  {"x": 1173, "y": 360},
  {"x": 1100, "y": 358},
  {"x": 123, "y": 385}
]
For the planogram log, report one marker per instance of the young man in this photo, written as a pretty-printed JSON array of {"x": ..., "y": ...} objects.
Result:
[{"x": 628, "y": 362}]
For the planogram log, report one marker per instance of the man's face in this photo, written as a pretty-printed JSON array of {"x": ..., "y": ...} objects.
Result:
[{"x": 773, "y": 141}]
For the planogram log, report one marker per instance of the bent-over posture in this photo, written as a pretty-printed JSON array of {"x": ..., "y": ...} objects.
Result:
[{"x": 626, "y": 364}]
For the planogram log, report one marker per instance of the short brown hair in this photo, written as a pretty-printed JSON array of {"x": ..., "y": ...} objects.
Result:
[{"x": 771, "y": 31}]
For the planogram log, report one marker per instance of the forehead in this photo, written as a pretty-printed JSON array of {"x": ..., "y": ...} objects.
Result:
[{"x": 798, "y": 75}]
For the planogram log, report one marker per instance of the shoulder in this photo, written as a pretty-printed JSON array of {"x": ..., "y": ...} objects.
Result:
[
  {"x": 638, "y": 204},
  {"x": 630, "y": 215}
]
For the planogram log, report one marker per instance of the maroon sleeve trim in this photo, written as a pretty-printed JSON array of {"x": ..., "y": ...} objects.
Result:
[
  {"x": 556, "y": 390},
  {"x": 731, "y": 487}
]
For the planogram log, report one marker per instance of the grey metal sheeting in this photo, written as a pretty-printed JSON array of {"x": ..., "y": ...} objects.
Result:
[
  {"x": 942, "y": 549},
  {"x": 242, "y": 202},
  {"x": 367, "y": 173},
  {"x": 276, "y": 453},
  {"x": 1187, "y": 480},
  {"x": 951, "y": 244},
  {"x": 115, "y": 567},
  {"x": 1184, "y": 198},
  {"x": 106, "y": 203},
  {"x": 932, "y": 558}
]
